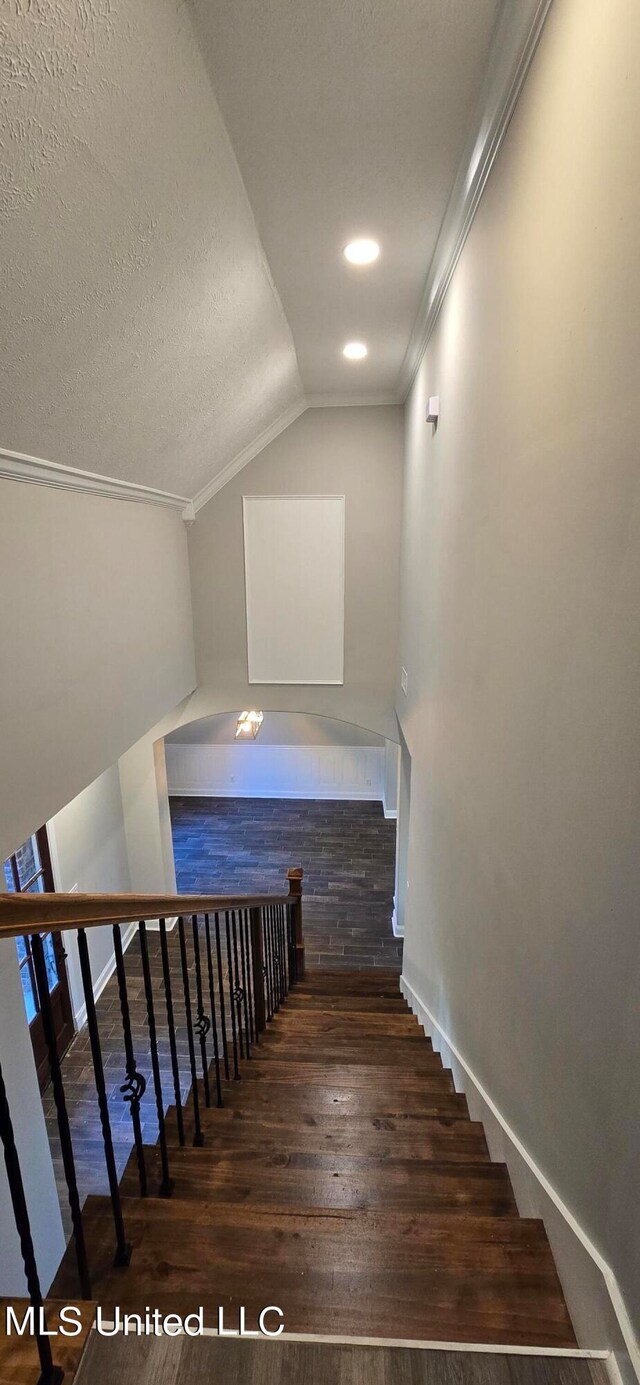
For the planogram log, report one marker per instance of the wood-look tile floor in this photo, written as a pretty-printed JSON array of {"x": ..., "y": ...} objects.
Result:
[
  {"x": 346, "y": 849},
  {"x": 342, "y": 1181},
  {"x": 190, "y": 1361}
]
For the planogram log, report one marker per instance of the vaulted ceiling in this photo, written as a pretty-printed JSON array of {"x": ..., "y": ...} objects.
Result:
[{"x": 177, "y": 183}]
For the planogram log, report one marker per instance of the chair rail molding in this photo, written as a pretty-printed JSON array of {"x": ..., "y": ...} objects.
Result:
[{"x": 517, "y": 34}]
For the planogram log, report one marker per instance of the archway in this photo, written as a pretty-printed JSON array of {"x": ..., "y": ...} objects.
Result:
[{"x": 311, "y": 791}]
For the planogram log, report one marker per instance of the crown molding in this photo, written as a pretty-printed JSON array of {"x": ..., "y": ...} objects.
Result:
[
  {"x": 248, "y": 453},
  {"x": 37, "y": 471},
  {"x": 515, "y": 40},
  {"x": 352, "y": 401}
]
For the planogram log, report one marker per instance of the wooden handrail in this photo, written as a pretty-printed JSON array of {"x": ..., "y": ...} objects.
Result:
[{"x": 21, "y": 914}]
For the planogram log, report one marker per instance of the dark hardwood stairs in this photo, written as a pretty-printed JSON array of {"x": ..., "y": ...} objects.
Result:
[{"x": 342, "y": 1181}]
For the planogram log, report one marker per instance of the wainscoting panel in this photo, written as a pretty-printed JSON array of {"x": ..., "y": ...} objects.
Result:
[{"x": 276, "y": 771}]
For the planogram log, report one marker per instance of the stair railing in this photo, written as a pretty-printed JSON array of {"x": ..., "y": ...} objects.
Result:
[{"x": 217, "y": 982}]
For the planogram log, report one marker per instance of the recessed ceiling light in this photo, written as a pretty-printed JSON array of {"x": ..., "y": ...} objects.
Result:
[
  {"x": 362, "y": 251},
  {"x": 355, "y": 351}
]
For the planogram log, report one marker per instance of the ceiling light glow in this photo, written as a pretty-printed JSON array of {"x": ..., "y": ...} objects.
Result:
[
  {"x": 249, "y": 723},
  {"x": 355, "y": 351},
  {"x": 362, "y": 251}
]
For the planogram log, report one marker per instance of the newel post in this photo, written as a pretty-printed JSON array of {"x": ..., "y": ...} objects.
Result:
[{"x": 294, "y": 876}]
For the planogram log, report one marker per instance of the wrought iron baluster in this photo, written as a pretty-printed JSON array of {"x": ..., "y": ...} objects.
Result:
[
  {"x": 198, "y": 1138},
  {"x": 214, "y": 1020},
  {"x": 285, "y": 950},
  {"x": 173, "y": 1048},
  {"x": 166, "y": 1186},
  {"x": 133, "y": 1089},
  {"x": 64, "y": 1129},
  {"x": 275, "y": 1006},
  {"x": 237, "y": 988},
  {"x": 123, "y": 1249},
  {"x": 267, "y": 966},
  {"x": 244, "y": 980},
  {"x": 203, "y": 1023},
  {"x": 282, "y": 952},
  {"x": 293, "y": 969},
  {"x": 49, "y": 1374},
  {"x": 232, "y": 1003},
  {"x": 248, "y": 970},
  {"x": 223, "y": 1013},
  {"x": 276, "y": 954},
  {"x": 278, "y": 946},
  {"x": 257, "y": 970}
]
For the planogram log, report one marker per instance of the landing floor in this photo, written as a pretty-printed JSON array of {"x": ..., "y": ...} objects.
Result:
[
  {"x": 347, "y": 851},
  {"x": 185, "y": 1362}
]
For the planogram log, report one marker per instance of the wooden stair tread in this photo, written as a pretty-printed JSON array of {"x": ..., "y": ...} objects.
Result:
[
  {"x": 353, "y": 1103},
  {"x": 358, "y": 1024},
  {"x": 445, "y": 1139},
  {"x": 382, "y": 1274},
  {"x": 19, "y": 1355},
  {"x": 308, "y": 1003},
  {"x": 329, "y": 1180},
  {"x": 350, "y": 1075},
  {"x": 342, "y": 1180},
  {"x": 411, "y": 1059}
]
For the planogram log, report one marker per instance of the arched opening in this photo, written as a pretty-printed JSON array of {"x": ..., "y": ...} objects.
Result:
[{"x": 309, "y": 791}]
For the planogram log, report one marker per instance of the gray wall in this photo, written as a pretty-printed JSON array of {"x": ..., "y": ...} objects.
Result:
[
  {"x": 356, "y": 452},
  {"x": 95, "y": 639},
  {"x": 89, "y": 851},
  {"x": 520, "y": 616}
]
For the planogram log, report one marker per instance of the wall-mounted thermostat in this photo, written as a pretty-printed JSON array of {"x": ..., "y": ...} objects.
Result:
[{"x": 433, "y": 410}]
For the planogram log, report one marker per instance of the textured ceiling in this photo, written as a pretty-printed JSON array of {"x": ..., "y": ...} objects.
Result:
[
  {"x": 347, "y": 117},
  {"x": 140, "y": 332}
]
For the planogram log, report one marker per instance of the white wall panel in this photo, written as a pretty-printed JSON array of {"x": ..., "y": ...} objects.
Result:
[
  {"x": 294, "y": 580},
  {"x": 276, "y": 771}
]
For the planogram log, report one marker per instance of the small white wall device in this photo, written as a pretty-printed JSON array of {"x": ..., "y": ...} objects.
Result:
[{"x": 433, "y": 410}]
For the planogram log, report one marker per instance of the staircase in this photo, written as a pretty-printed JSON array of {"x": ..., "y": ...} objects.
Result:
[{"x": 341, "y": 1180}]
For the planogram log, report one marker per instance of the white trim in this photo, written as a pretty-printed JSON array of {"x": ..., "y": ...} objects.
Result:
[
  {"x": 391, "y": 814},
  {"x": 18, "y": 466},
  {"x": 38, "y": 471},
  {"x": 80, "y": 1016},
  {"x": 330, "y": 795},
  {"x": 248, "y": 453},
  {"x": 280, "y": 498},
  {"x": 406, "y": 1343},
  {"x": 153, "y": 925},
  {"x": 591, "y": 1289},
  {"x": 353, "y": 401},
  {"x": 515, "y": 41},
  {"x": 397, "y": 931}
]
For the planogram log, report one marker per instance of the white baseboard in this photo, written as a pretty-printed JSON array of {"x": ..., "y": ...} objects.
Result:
[
  {"x": 329, "y": 794},
  {"x": 80, "y": 1016},
  {"x": 153, "y": 925},
  {"x": 391, "y": 814},
  {"x": 593, "y": 1296}
]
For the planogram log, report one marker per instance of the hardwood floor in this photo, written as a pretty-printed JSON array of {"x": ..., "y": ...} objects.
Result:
[
  {"x": 346, "y": 1185},
  {"x": 188, "y": 1362},
  {"x": 18, "y": 1355},
  {"x": 347, "y": 851}
]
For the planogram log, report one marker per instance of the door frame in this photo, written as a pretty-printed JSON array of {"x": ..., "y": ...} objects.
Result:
[{"x": 60, "y": 995}]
